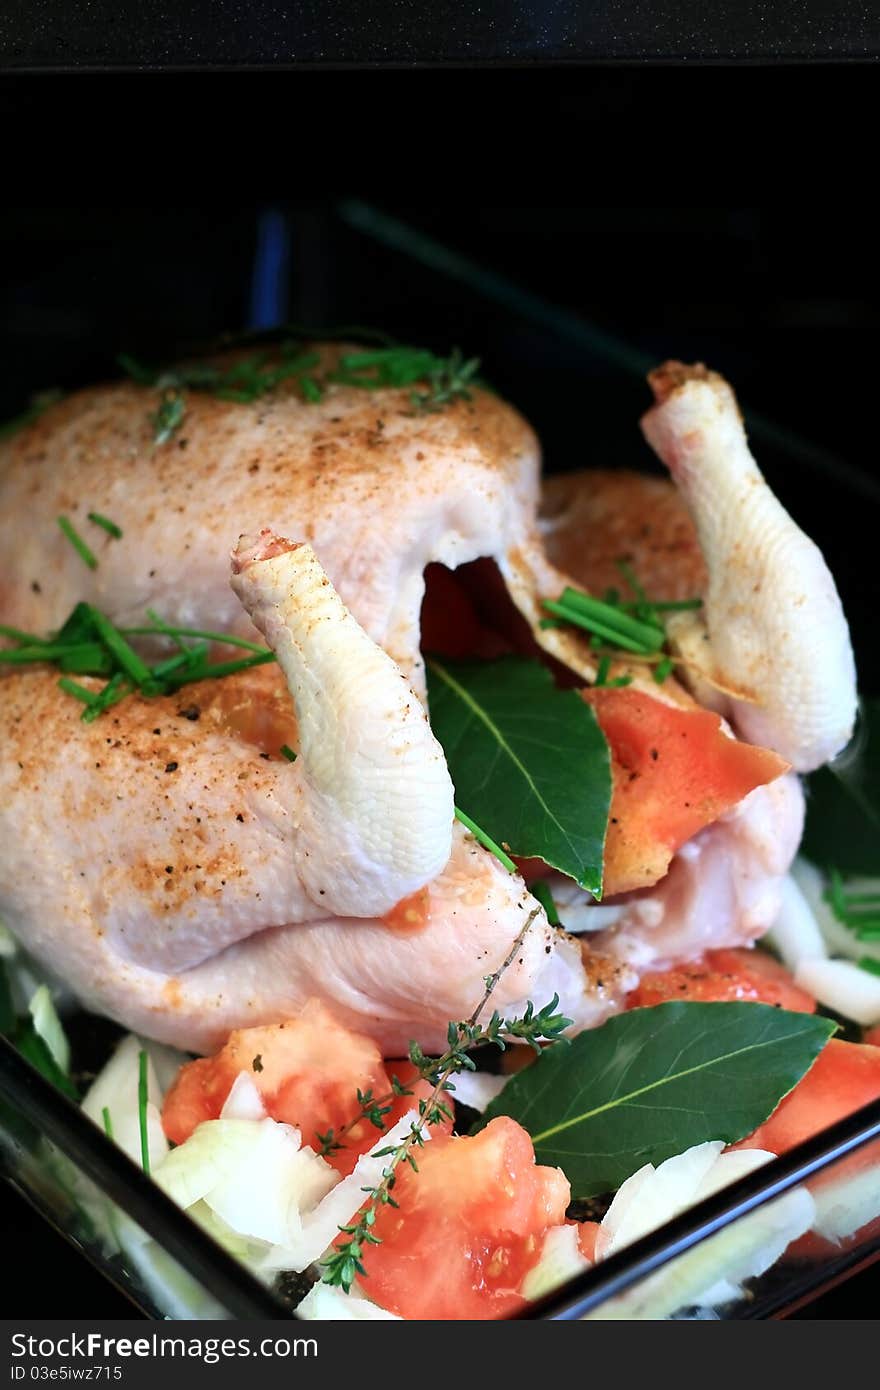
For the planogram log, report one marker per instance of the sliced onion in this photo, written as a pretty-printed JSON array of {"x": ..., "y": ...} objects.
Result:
[
  {"x": 796, "y": 935},
  {"x": 844, "y": 987}
]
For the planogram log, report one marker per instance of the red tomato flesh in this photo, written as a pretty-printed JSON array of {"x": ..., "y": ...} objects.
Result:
[
  {"x": 469, "y": 1227},
  {"x": 674, "y": 771},
  {"x": 719, "y": 976},
  {"x": 844, "y": 1077},
  {"x": 308, "y": 1071}
]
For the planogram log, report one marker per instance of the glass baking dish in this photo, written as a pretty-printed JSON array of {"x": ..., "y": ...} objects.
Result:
[{"x": 120, "y": 1221}]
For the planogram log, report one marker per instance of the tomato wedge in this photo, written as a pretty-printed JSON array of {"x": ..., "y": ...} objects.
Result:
[
  {"x": 674, "y": 771},
  {"x": 844, "y": 1077},
  {"x": 719, "y": 976},
  {"x": 308, "y": 1071},
  {"x": 469, "y": 1227}
]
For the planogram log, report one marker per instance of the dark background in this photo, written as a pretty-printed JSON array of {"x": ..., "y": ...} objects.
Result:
[{"x": 780, "y": 296}]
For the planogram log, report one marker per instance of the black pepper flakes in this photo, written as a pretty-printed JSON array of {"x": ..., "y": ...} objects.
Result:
[
  {"x": 191, "y": 712},
  {"x": 171, "y": 767},
  {"x": 257, "y": 1063}
]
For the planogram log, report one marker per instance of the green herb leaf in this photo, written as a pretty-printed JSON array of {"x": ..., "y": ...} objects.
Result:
[
  {"x": 77, "y": 542},
  {"x": 843, "y": 803},
  {"x": 106, "y": 525},
  {"x": 652, "y": 1082},
  {"x": 528, "y": 761}
]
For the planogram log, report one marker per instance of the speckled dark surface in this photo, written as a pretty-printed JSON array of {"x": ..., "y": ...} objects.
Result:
[{"x": 105, "y": 34}]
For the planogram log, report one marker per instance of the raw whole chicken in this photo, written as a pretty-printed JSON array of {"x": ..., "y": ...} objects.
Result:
[{"x": 181, "y": 876}]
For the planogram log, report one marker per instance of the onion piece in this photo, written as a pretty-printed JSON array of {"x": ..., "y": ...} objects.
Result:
[
  {"x": 844, "y": 987},
  {"x": 796, "y": 935}
]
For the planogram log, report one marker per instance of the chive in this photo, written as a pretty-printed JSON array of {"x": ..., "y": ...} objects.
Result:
[
  {"x": 168, "y": 418},
  {"x": 650, "y": 635},
  {"x": 79, "y": 692},
  {"x": 108, "y": 1123},
  {"x": 863, "y": 898},
  {"x": 115, "y": 690},
  {"x": 114, "y": 641},
  {"x": 109, "y": 526},
  {"x": 163, "y": 629},
  {"x": 868, "y": 932},
  {"x": 310, "y": 389},
  {"x": 870, "y": 964},
  {"x": 28, "y": 639},
  {"x": 287, "y": 752},
  {"x": 223, "y": 668},
  {"x": 602, "y": 672},
  {"x": 661, "y": 671},
  {"x": 485, "y": 840},
  {"x": 87, "y": 659},
  {"x": 142, "y": 1111},
  {"x": 77, "y": 542},
  {"x": 547, "y": 623},
  {"x": 541, "y": 891},
  {"x": 620, "y": 681},
  {"x": 50, "y": 651},
  {"x": 610, "y": 634},
  {"x": 629, "y": 575}
]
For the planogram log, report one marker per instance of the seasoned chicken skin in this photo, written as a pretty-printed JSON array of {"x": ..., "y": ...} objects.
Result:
[{"x": 165, "y": 861}]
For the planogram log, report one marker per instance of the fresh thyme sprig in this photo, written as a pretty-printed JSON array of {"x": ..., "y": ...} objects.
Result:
[{"x": 346, "y": 1261}]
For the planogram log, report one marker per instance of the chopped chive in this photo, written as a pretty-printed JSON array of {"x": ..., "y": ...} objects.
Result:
[
  {"x": 310, "y": 389},
  {"x": 862, "y": 898},
  {"x": 594, "y": 625},
  {"x": 28, "y": 639},
  {"x": 52, "y": 651},
  {"x": 649, "y": 634},
  {"x": 162, "y": 629},
  {"x": 109, "y": 526},
  {"x": 79, "y": 692},
  {"x": 602, "y": 671},
  {"x": 621, "y": 681},
  {"x": 485, "y": 840},
  {"x": 108, "y": 1123},
  {"x": 223, "y": 668},
  {"x": 870, "y": 964},
  {"x": 77, "y": 542},
  {"x": 142, "y": 1111},
  {"x": 546, "y": 623},
  {"x": 629, "y": 575},
  {"x": 540, "y": 890},
  {"x": 868, "y": 932},
  {"x": 114, "y": 641},
  {"x": 661, "y": 671},
  {"x": 115, "y": 690},
  {"x": 287, "y": 752}
]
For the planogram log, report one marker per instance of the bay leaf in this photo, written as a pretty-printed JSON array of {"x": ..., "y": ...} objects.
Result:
[
  {"x": 652, "y": 1082},
  {"x": 528, "y": 761}
]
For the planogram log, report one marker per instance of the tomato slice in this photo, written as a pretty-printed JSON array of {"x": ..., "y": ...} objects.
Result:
[
  {"x": 872, "y": 1037},
  {"x": 844, "y": 1077},
  {"x": 719, "y": 976},
  {"x": 308, "y": 1071},
  {"x": 468, "y": 1228},
  {"x": 674, "y": 771}
]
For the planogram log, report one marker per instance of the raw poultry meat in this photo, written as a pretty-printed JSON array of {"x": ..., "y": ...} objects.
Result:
[{"x": 152, "y": 859}]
